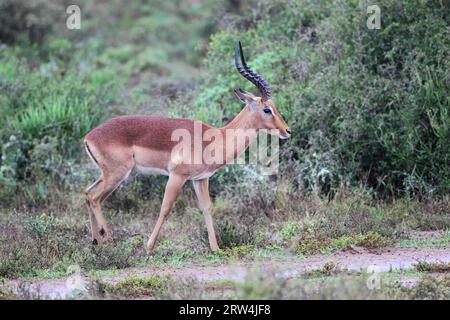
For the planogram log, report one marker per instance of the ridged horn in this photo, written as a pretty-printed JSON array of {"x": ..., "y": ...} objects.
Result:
[{"x": 249, "y": 74}]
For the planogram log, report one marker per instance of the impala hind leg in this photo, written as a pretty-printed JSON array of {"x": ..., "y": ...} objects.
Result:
[
  {"x": 115, "y": 164},
  {"x": 173, "y": 186},
  {"x": 96, "y": 194},
  {"x": 94, "y": 225},
  {"x": 204, "y": 201}
]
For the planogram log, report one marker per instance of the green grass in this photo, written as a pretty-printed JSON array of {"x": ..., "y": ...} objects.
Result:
[
  {"x": 433, "y": 267},
  {"x": 440, "y": 242},
  {"x": 328, "y": 269},
  {"x": 135, "y": 287},
  {"x": 233, "y": 253},
  {"x": 310, "y": 244}
]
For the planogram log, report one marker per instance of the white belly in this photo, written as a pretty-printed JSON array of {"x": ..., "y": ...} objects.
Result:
[
  {"x": 151, "y": 170},
  {"x": 203, "y": 175}
]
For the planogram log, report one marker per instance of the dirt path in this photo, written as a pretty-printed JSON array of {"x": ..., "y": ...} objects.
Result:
[{"x": 354, "y": 259}]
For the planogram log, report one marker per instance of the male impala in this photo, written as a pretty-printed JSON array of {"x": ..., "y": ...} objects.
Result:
[{"x": 146, "y": 143}]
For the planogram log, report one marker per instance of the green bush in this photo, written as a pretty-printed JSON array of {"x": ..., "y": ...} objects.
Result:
[
  {"x": 119, "y": 255},
  {"x": 37, "y": 104},
  {"x": 431, "y": 288},
  {"x": 27, "y": 22},
  {"x": 231, "y": 234},
  {"x": 45, "y": 116},
  {"x": 369, "y": 106}
]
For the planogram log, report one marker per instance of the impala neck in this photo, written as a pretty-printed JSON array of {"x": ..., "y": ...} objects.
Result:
[{"x": 243, "y": 121}]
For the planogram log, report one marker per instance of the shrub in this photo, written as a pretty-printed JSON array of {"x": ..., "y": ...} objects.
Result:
[
  {"x": 28, "y": 21},
  {"x": 368, "y": 106},
  {"x": 231, "y": 235},
  {"x": 38, "y": 105},
  {"x": 44, "y": 119},
  {"x": 431, "y": 288},
  {"x": 119, "y": 255},
  {"x": 423, "y": 266}
]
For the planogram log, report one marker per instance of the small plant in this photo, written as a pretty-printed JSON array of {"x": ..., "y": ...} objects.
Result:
[
  {"x": 328, "y": 269},
  {"x": 231, "y": 234},
  {"x": 118, "y": 255},
  {"x": 40, "y": 227},
  {"x": 431, "y": 288},
  {"x": 423, "y": 266},
  {"x": 237, "y": 252},
  {"x": 309, "y": 244},
  {"x": 289, "y": 230},
  {"x": 372, "y": 240},
  {"x": 134, "y": 287}
]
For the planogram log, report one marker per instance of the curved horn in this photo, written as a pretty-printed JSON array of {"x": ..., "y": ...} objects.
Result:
[{"x": 249, "y": 74}]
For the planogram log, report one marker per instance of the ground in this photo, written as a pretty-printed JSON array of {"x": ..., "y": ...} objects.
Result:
[{"x": 403, "y": 267}]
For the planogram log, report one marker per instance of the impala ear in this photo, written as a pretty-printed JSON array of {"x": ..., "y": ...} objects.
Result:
[{"x": 246, "y": 97}]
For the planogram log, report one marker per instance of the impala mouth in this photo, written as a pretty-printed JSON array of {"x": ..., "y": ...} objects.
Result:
[{"x": 285, "y": 136}]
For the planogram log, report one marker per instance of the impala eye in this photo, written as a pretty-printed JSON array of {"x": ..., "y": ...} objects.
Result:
[{"x": 267, "y": 110}]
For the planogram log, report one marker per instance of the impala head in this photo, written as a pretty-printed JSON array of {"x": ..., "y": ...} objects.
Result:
[{"x": 264, "y": 113}]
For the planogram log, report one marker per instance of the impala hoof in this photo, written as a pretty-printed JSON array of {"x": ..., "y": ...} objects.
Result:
[{"x": 150, "y": 246}]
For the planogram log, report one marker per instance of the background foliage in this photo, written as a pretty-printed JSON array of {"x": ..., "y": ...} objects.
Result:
[{"x": 369, "y": 107}]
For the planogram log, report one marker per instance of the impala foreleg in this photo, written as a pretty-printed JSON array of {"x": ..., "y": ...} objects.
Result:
[
  {"x": 173, "y": 186},
  {"x": 201, "y": 189}
]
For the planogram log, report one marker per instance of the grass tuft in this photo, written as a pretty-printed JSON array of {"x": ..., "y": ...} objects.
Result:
[
  {"x": 135, "y": 287},
  {"x": 423, "y": 266}
]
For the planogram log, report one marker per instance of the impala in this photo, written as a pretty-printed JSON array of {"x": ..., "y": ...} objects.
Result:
[{"x": 146, "y": 143}]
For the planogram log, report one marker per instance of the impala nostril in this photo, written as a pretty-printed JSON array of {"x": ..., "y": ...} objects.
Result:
[{"x": 288, "y": 131}]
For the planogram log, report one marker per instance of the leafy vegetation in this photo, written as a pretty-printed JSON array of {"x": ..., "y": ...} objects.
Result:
[
  {"x": 368, "y": 106},
  {"x": 135, "y": 287},
  {"x": 433, "y": 267}
]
